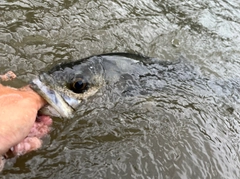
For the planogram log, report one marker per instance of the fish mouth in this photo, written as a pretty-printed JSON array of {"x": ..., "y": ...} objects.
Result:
[{"x": 60, "y": 103}]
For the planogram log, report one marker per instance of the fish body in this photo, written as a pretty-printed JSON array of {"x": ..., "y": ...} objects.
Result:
[{"x": 66, "y": 85}]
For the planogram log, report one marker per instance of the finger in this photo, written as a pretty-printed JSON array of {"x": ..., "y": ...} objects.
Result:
[
  {"x": 40, "y": 127},
  {"x": 27, "y": 145},
  {"x": 44, "y": 119},
  {"x": 2, "y": 162},
  {"x": 7, "y": 76},
  {"x": 39, "y": 130}
]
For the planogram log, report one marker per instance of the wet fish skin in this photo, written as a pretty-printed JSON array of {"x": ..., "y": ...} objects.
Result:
[{"x": 55, "y": 85}]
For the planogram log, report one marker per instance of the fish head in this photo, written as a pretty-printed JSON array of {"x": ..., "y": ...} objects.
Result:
[{"x": 66, "y": 85}]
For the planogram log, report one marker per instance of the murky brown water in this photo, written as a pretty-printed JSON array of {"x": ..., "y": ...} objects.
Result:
[{"x": 191, "y": 134}]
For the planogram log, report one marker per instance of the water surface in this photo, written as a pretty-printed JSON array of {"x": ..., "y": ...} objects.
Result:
[{"x": 188, "y": 130}]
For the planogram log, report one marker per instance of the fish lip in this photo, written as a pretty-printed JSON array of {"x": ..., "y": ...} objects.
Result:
[{"x": 62, "y": 103}]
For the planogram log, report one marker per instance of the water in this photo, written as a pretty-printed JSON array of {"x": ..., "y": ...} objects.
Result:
[{"x": 189, "y": 130}]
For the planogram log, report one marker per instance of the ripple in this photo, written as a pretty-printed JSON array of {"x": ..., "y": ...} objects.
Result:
[{"x": 186, "y": 128}]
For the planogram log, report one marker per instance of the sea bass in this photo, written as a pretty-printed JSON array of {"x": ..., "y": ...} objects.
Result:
[{"x": 66, "y": 85}]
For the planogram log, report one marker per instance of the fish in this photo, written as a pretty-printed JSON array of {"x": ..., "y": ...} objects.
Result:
[{"x": 66, "y": 85}]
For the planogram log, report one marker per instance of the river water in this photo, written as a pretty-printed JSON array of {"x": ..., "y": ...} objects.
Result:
[{"x": 183, "y": 132}]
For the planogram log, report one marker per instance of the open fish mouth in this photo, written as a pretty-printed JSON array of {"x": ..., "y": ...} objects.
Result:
[{"x": 60, "y": 104}]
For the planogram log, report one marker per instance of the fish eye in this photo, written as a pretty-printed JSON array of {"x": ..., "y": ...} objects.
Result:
[{"x": 79, "y": 85}]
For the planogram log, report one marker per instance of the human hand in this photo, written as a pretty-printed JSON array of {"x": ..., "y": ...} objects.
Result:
[
  {"x": 7, "y": 76},
  {"x": 20, "y": 131}
]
